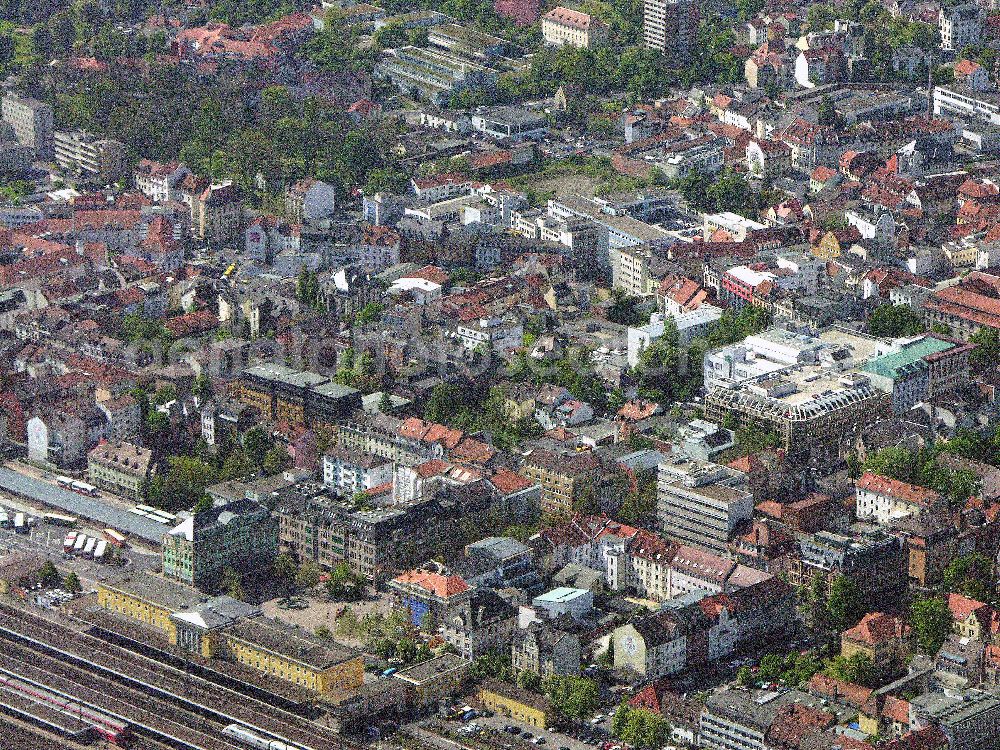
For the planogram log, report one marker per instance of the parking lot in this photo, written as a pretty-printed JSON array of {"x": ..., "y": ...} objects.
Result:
[
  {"x": 505, "y": 732},
  {"x": 46, "y": 540}
]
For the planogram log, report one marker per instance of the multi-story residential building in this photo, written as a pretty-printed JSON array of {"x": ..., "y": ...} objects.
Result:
[
  {"x": 121, "y": 468},
  {"x": 740, "y": 719},
  {"x": 885, "y": 500},
  {"x": 309, "y": 200},
  {"x": 960, "y": 26},
  {"x": 63, "y": 438},
  {"x": 238, "y": 535},
  {"x": 661, "y": 644},
  {"x": 316, "y": 526},
  {"x": 701, "y": 503},
  {"x": 875, "y": 562},
  {"x": 671, "y": 26},
  {"x": 486, "y": 622},
  {"x": 429, "y": 597},
  {"x": 883, "y": 638},
  {"x": 297, "y": 397},
  {"x": 98, "y": 159},
  {"x": 491, "y": 334},
  {"x": 31, "y": 121},
  {"x": 565, "y": 26},
  {"x": 966, "y": 307},
  {"x": 216, "y": 212},
  {"x": 349, "y": 473},
  {"x": 545, "y": 650},
  {"x": 563, "y": 477},
  {"x": 158, "y": 181}
]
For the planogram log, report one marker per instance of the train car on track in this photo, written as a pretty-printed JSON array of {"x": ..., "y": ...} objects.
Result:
[
  {"x": 81, "y": 542},
  {"x": 107, "y": 726},
  {"x": 20, "y": 523},
  {"x": 69, "y": 541},
  {"x": 100, "y": 549},
  {"x": 88, "y": 550},
  {"x": 248, "y": 737}
]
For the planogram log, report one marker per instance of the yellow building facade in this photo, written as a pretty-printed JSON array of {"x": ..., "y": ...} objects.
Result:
[
  {"x": 136, "y": 607},
  {"x": 530, "y": 710}
]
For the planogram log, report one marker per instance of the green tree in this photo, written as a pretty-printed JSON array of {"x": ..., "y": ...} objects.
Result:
[
  {"x": 307, "y": 576},
  {"x": 185, "y": 482},
  {"x": 529, "y": 680},
  {"x": 48, "y": 576},
  {"x": 744, "y": 676},
  {"x": 987, "y": 351},
  {"x": 639, "y": 727},
  {"x": 256, "y": 444},
  {"x": 284, "y": 570},
  {"x": 342, "y": 583},
  {"x": 204, "y": 504},
  {"x": 931, "y": 621},
  {"x": 857, "y": 668},
  {"x": 233, "y": 584},
  {"x": 972, "y": 576},
  {"x": 276, "y": 460},
  {"x": 845, "y": 607},
  {"x": 894, "y": 320},
  {"x": 574, "y": 698},
  {"x": 72, "y": 583}
]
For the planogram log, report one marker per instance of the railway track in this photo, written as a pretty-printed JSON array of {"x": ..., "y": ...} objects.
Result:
[
  {"x": 156, "y": 679},
  {"x": 146, "y": 714}
]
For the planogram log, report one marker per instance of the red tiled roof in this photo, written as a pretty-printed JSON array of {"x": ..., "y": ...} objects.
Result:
[
  {"x": 440, "y": 585},
  {"x": 877, "y": 627},
  {"x": 905, "y": 491}
]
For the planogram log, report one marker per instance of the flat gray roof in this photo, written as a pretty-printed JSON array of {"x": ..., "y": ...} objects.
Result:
[{"x": 91, "y": 508}]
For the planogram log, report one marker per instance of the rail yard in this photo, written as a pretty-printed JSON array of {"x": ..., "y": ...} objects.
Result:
[{"x": 73, "y": 683}]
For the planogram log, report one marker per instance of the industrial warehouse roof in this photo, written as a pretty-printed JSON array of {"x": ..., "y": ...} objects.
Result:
[{"x": 92, "y": 508}]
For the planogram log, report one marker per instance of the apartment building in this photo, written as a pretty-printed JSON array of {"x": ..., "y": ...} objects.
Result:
[
  {"x": 671, "y": 26},
  {"x": 298, "y": 397},
  {"x": 32, "y": 123},
  {"x": 120, "y": 467},
  {"x": 102, "y": 160},
  {"x": 429, "y": 597},
  {"x": 348, "y": 472},
  {"x": 238, "y": 535},
  {"x": 960, "y": 26},
  {"x": 701, "y": 503},
  {"x": 886, "y": 500},
  {"x": 563, "y": 477},
  {"x": 562, "y": 26}
]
